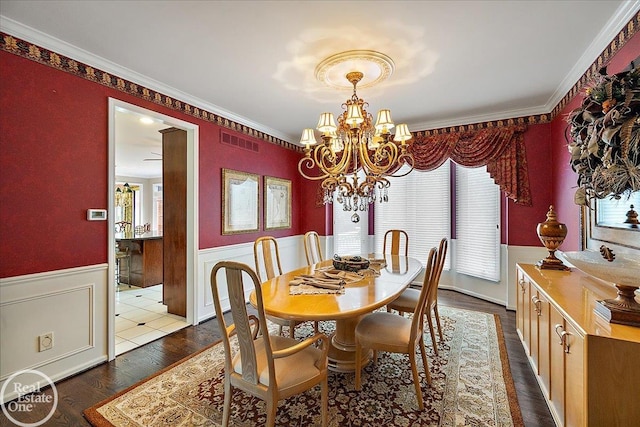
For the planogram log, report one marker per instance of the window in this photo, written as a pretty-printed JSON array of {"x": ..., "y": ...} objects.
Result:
[
  {"x": 349, "y": 237},
  {"x": 419, "y": 204},
  {"x": 604, "y": 224},
  {"x": 137, "y": 203},
  {"x": 613, "y": 212},
  {"x": 477, "y": 223},
  {"x": 156, "y": 221}
]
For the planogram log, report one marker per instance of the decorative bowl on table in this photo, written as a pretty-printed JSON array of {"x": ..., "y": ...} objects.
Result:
[
  {"x": 350, "y": 263},
  {"x": 621, "y": 270}
]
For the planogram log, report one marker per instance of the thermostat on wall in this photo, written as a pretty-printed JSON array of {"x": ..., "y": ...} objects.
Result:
[{"x": 96, "y": 214}]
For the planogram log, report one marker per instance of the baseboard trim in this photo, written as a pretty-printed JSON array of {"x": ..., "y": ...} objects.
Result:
[
  {"x": 474, "y": 294},
  {"x": 64, "y": 374}
]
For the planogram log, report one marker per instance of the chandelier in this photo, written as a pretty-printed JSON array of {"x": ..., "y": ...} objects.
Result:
[
  {"x": 356, "y": 156},
  {"x": 124, "y": 196}
]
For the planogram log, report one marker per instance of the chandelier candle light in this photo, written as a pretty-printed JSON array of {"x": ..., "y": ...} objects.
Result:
[{"x": 356, "y": 144}]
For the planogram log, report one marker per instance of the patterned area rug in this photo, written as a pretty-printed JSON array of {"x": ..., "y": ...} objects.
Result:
[{"x": 472, "y": 386}]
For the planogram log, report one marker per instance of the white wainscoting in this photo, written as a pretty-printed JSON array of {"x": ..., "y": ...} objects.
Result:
[
  {"x": 291, "y": 257},
  {"x": 71, "y": 303}
]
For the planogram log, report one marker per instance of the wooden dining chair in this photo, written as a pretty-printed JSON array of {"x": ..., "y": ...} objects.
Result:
[
  {"x": 384, "y": 331},
  {"x": 269, "y": 367},
  {"x": 312, "y": 247},
  {"x": 408, "y": 299},
  {"x": 394, "y": 241},
  {"x": 267, "y": 258}
]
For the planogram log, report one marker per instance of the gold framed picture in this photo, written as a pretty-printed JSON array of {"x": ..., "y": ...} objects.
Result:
[
  {"x": 277, "y": 203},
  {"x": 239, "y": 202}
]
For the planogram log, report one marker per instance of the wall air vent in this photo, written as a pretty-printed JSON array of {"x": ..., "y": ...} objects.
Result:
[{"x": 239, "y": 141}]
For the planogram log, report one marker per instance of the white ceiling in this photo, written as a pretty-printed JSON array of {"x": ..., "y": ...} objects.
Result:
[
  {"x": 456, "y": 62},
  {"x": 138, "y": 145}
]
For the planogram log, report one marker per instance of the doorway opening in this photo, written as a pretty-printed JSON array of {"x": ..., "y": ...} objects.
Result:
[{"x": 138, "y": 307}]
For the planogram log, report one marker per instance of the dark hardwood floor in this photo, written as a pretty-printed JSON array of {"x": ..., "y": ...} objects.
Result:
[{"x": 88, "y": 388}]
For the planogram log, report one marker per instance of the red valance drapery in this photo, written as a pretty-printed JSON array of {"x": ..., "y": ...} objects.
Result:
[{"x": 502, "y": 150}]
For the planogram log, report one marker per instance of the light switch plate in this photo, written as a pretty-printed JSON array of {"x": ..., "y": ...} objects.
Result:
[{"x": 96, "y": 214}]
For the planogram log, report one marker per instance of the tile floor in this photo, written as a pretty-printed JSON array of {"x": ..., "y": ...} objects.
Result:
[{"x": 141, "y": 317}]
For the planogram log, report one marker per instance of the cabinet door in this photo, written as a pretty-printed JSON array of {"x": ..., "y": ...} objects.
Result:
[
  {"x": 526, "y": 321},
  {"x": 520, "y": 290},
  {"x": 574, "y": 378},
  {"x": 556, "y": 365},
  {"x": 544, "y": 344},
  {"x": 534, "y": 314}
]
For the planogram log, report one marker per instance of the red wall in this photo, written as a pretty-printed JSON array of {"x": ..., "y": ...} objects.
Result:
[
  {"x": 271, "y": 160},
  {"x": 53, "y": 167},
  {"x": 521, "y": 221},
  {"x": 314, "y": 216},
  {"x": 564, "y": 182}
]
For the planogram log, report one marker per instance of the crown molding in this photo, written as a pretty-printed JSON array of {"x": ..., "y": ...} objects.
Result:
[
  {"x": 480, "y": 118},
  {"x": 53, "y": 44},
  {"x": 618, "y": 21}
]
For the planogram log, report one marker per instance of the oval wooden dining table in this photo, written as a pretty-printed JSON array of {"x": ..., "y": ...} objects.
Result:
[{"x": 359, "y": 298}]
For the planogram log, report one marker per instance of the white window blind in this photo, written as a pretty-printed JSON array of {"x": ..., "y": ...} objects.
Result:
[
  {"x": 349, "y": 238},
  {"x": 477, "y": 223},
  {"x": 614, "y": 212},
  {"x": 419, "y": 203}
]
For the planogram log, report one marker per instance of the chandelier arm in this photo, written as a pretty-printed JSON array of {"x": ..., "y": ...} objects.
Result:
[
  {"x": 309, "y": 164},
  {"x": 402, "y": 174},
  {"x": 323, "y": 159},
  {"x": 367, "y": 186},
  {"x": 408, "y": 159},
  {"x": 388, "y": 150},
  {"x": 330, "y": 183},
  {"x": 346, "y": 189},
  {"x": 383, "y": 182}
]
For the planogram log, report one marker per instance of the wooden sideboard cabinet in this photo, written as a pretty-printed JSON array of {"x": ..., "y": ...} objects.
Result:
[{"x": 588, "y": 369}]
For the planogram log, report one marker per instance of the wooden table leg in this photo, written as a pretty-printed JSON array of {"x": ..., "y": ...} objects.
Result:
[{"x": 343, "y": 347}]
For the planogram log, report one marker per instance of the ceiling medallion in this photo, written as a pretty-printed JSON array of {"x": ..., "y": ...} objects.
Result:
[{"x": 376, "y": 67}]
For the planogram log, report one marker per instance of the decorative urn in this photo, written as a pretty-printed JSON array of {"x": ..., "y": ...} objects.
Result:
[{"x": 551, "y": 234}]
